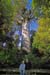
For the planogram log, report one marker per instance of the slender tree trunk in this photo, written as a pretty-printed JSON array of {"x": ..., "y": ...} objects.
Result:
[{"x": 25, "y": 37}]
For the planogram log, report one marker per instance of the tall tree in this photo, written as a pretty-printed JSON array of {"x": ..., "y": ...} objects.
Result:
[
  {"x": 23, "y": 17},
  {"x": 15, "y": 8}
]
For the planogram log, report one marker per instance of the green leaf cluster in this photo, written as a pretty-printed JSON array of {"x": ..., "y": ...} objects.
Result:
[
  {"x": 42, "y": 36},
  {"x": 41, "y": 7}
]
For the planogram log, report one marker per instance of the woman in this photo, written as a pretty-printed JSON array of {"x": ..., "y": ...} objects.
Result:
[{"x": 22, "y": 68}]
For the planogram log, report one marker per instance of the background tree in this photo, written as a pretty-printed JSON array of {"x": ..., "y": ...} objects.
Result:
[
  {"x": 41, "y": 41},
  {"x": 42, "y": 37},
  {"x": 42, "y": 9}
]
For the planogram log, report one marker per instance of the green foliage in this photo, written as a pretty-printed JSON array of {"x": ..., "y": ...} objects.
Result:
[
  {"x": 20, "y": 4},
  {"x": 8, "y": 55},
  {"x": 37, "y": 62},
  {"x": 42, "y": 37},
  {"x": 7, "y": 13},
  {"x": 41, "y": 7},
  {"x": 40, "y": 3}
]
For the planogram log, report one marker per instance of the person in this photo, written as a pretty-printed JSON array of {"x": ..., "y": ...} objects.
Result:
[
  {"x": 22, "y": 68},
  {"x": 28, "y": 64}
]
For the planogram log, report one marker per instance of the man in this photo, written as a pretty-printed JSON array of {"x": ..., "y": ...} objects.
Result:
[{"x": 22, "y": 68}]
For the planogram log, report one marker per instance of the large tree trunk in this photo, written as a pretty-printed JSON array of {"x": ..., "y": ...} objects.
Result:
[{"x": 25, "y": 37}]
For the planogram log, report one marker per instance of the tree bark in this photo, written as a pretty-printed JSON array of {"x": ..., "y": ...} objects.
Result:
[{"x": 25, "y": 37}]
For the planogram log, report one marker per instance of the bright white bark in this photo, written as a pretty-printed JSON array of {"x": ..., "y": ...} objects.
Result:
[{"x": 25, "y": 37}]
